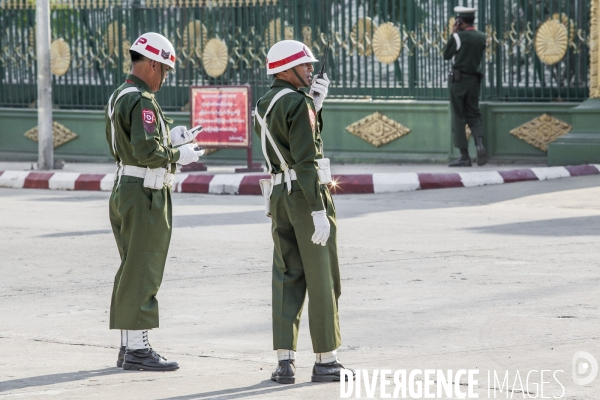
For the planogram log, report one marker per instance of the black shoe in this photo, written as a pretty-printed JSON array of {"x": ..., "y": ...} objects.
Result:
[
  {"x": 285, "y": 372},
  {"x": 147, "y": 360},
  {"x": 461, "y": 162},
  {"x": 481, "y": 153},
  {"x": 328, "y": 372},
  {"x": 120, "y": 356}
]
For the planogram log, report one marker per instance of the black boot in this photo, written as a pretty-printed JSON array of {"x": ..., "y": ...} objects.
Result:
[
  {"x": 120, "y": 356},
  {"x": 481, "y": 154},
  {"x": 147, "y": 360},
  {"x": 285, "y": 372},
  {"x": 463, "y": 161},
  {"x": 328, "y": 372}
]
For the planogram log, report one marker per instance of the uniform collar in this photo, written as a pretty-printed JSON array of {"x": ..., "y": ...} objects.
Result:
[
  {"x": 137, "y": 82},
  {"x": 280, "y": 83}
]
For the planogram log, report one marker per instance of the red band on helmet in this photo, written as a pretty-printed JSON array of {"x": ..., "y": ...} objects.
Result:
[
  {"x": 173, "y": 58},
  {"x": 287, "y": 60},
  {"x": 152, "y": 49}
]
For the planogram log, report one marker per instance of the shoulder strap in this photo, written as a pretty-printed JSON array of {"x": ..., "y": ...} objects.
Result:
[
  {"x": 111, "y": 112},
  {"x": 265, "y": 134}
]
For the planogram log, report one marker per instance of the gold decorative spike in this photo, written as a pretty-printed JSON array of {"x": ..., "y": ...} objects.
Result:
[
  {"x": 387, "y": 43},
  {"x": 195, "y": 35},
  {"x": 362, "y": 36},
  {"x": 60, "y": 57},
  {"x": 551, "y": 40},
  {"x": 377, "y": 129},
  {"x": 594, "y": 42},
  {"x": 541, "y": 131},
  {"x": 61, "y": 134},
  {"x": 214, "y": 57}
]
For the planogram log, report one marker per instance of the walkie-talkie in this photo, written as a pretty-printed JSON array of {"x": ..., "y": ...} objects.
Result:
[{"x": 320, "y": 74}]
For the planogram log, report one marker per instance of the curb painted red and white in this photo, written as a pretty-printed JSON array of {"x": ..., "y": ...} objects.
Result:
[{"x": 345, "y": 184}]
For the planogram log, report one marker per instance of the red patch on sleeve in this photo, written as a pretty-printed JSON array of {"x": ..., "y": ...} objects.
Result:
[{"x": 148, "y": 116}]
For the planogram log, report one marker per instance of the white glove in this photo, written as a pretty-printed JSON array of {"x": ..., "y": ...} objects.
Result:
[
  {"x": 188, "y": 155},
  {"x": 321, "y": 227},
  {"x": 181, "y": 135},
  {"x": 318, "y": 91}
]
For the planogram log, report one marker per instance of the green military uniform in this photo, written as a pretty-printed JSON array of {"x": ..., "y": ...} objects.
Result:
[
  {"x": 299, "y": 265},
  {"x": 140, "y": 217},
  {"x": 466, "y": 52}
]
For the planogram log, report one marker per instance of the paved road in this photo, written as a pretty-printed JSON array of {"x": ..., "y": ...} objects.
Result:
[{"x": 498, "y": 278}]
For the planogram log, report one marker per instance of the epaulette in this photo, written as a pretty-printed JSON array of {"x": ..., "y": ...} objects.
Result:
[{"x": 147, "y": 95}]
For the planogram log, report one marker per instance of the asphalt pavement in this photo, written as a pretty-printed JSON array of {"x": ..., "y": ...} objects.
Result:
[{"x": 503, "y": 279}]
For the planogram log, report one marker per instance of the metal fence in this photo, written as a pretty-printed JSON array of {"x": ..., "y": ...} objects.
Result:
[{"x": 381, "y": 49}]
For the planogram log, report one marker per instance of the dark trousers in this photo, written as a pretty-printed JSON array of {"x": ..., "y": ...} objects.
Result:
[
  {"x": 464, "y": 108},
  {"x": 300, "y": 266},
  {"x": 141, "y": 222}
]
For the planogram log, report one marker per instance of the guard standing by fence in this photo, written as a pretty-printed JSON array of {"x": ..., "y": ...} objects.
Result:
[
  {"x": 289, "y": 124},
  {"x": 466, "y": 48},
  {"x": 140, "y": 202}
]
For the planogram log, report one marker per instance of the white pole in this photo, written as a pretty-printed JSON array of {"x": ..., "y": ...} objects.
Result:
[{"x": 44, "y": 81}]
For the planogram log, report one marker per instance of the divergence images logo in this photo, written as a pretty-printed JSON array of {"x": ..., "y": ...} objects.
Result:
[{"x": 585, "y": 368}]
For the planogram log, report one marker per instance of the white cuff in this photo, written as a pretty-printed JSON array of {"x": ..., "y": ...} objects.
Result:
[
  {"x": 283, "y": 354},
  {"x": 324, "y": 358}
]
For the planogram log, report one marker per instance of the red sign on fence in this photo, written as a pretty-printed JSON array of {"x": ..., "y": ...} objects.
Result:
[{"x": 224, "y": 113}]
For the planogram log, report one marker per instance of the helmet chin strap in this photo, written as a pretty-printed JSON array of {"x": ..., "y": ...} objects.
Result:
[
  {"x": 299, "y": 77},
  {"x": 162, "y": 76}
]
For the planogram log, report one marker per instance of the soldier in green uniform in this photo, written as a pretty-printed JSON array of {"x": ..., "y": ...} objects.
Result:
[
  {"x": 466, "y": 47},
  {"x": 289, "y": 123},
  {"x": 140, "y": 202}
]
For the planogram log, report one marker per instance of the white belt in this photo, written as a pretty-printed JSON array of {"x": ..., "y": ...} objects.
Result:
[
  {"x": 278, "y": 177},
  {"x": 137, "y": 172}
]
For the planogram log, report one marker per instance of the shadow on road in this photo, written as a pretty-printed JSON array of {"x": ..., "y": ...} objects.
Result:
[
  {"x": 53, "y": 379},
  {"x": 265, "y": 387},
  {"x": 555, "y": 227}
]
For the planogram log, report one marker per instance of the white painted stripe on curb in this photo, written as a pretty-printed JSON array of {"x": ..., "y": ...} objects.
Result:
[
  {"x": 470, "y": 179},
  {"x": 225, "y": 184},
  {"x": 551, "y": 173},
  {"x": 63, "y": 181},
  {"x": 597, "y": 166},
  {"x": 179, "y": 178},
  {"x": 387, "y": 182},
  {"x": 13, "y": 179},
  {"x": 107, "y": 183}
]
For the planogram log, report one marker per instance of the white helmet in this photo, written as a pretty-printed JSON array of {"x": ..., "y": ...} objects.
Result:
[
  {"x": 156, "y": 47},
  {"x": 287, "y": 54}
]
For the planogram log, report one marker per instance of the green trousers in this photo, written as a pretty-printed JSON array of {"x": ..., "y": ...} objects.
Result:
[
  {"x": 141, "y": 222},
  {"x": 300, "y": 266},
  {"x": 464, "y": 107}
]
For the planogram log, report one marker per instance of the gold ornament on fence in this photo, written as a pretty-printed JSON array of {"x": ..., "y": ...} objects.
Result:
[
  {"x": 126, "y": 57},
  {"x": 387, "y": 43},
  {"x": 362, "y": 36},
  {"x": 568, "y": 23},
  {"x": 195, "y": 35},
  {"x": 214, "y": 57},
  {"x": 273, "y": 32},
  {"x": 60, "y": 57},
  {"x": 551, "y": 40},
  {"x": 60, "y": 134},
  {"x": 377, "y": 129},
  {"x": 112, "y": 38},
  {"x": 541, "y": 131}
]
